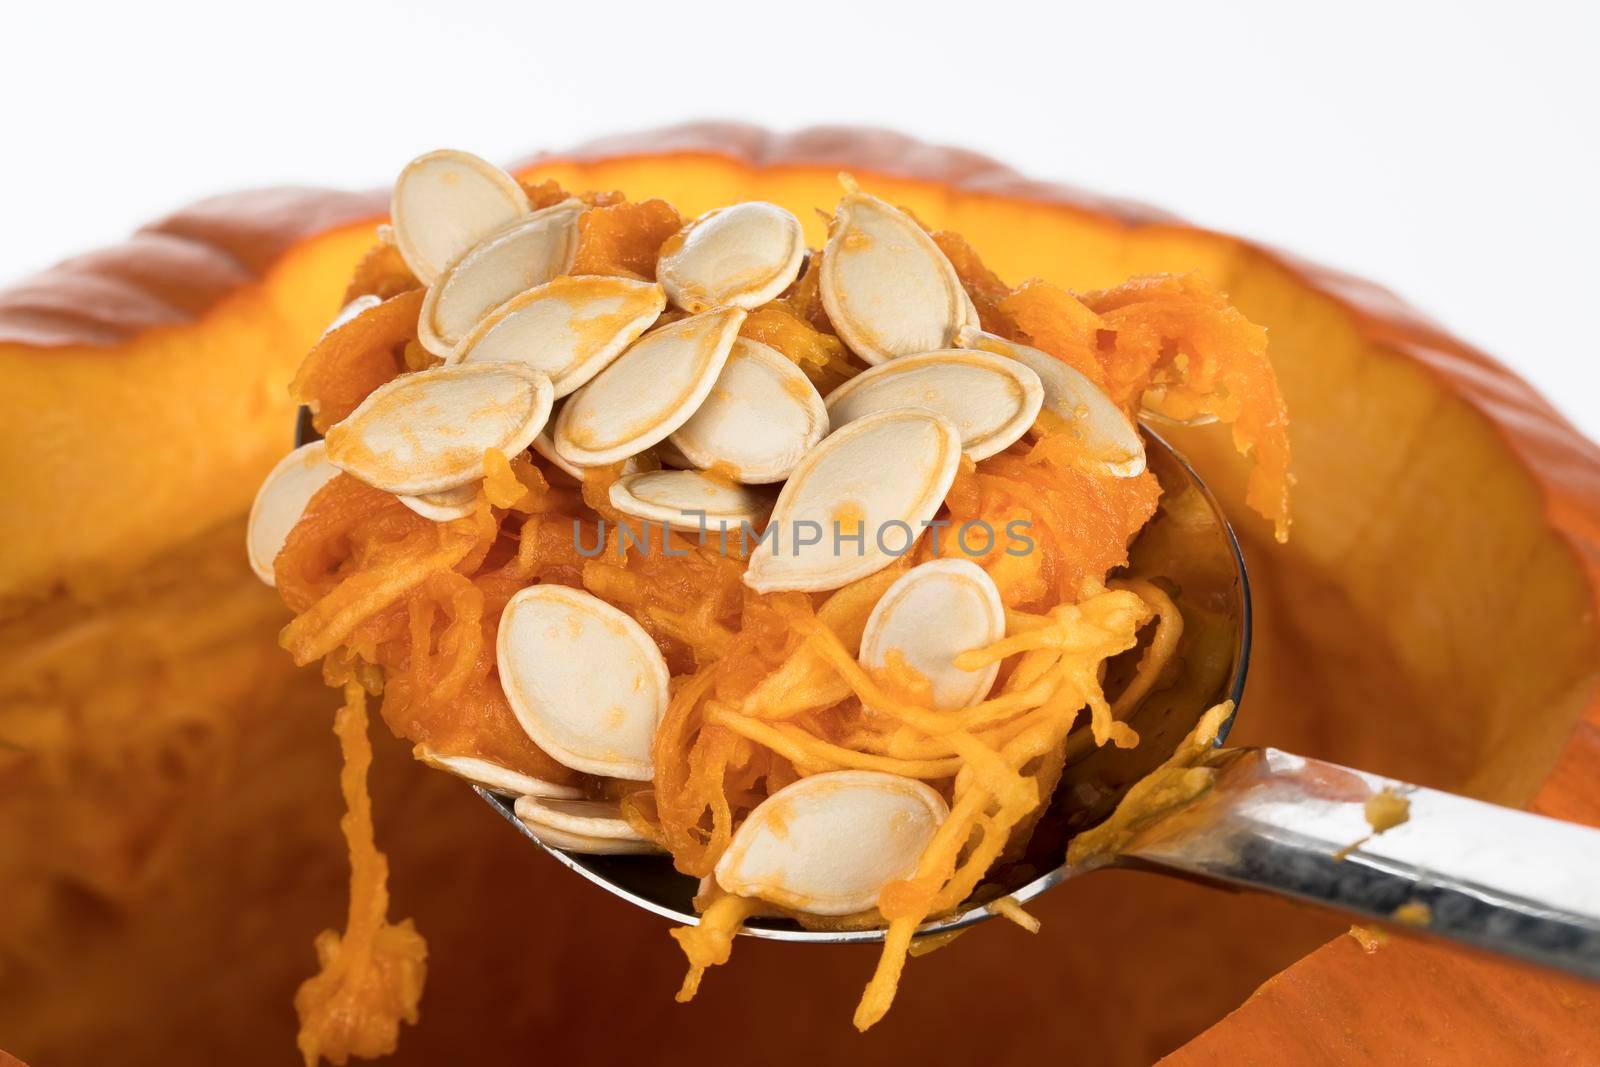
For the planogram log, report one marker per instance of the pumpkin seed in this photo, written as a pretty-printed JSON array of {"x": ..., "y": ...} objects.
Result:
[
  {"x": 493, "y": 776},
  {"x": 445, "y": 506},
  {"x": 880, "y": 480},
  {"x": 828, "y": 844},
  {"x": 761, "y": 416},
  {"x": 668, "y": 454},
  {"x": 569, "y": 328},
  {"x": 427, "y": 431},
  {"x": 888, "y": 289},
  {"x": 582, "y": 844},
  {"x": 743, "y": 256},
  {"x": 1111, "y": 443},
  {"x": 992, "y": 400},
  {"x": 280, "y": 502},
  {"x": 515, "y": 258},
  {"x": 585, "y": 818},
  {"x": 687, "y": 500},
  {"x": 647, "y": 392},
  {"x": 586, "y": 682},
  {"x": 932, "y": 614},
  {"x": 444, "y": 203},
  {"x": 547, "y": 448},
  {"x": 969, "y": 317}
]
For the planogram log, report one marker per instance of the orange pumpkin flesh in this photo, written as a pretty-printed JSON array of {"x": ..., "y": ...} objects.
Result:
[
  {"x": 1432, "y": 618},
  {"x": 353, "y": 360}
]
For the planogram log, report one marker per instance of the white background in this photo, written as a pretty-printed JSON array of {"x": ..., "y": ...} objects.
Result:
[{"x": 1451, "y": 151}]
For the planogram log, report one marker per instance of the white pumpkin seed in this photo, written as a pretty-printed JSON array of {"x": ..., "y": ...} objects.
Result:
[
  {"x": 882, "y": 478},
  {"x": 515, "y": 258},
  {"x": 688, "y": 500},
  {"x": 445, "y": 506},
  {"x": 992, "y": 400},
  {"x": 761, "y": 416},
  {"x": 743, "y": 256},
  {"x": 585, "y": 681},
  {"x": 584, "y": 818},
  {"x": 668, "y": 454},
  {"x": 427, "y": 432},
  {"x": 828, "y": 844},
  {"x": 493, "y": 776},
  {"x": 569, "y": 328},
  {"x": 888, "y": 289},
  {"x": 932, "y": 614},
  {"x": 550, "y": 837},
  {"x": 1111, "y": 443},
  {"x": 647, "y": 392},
  {"x": 970, "y": 319},
  {"x": 444, "y": 203},
  {"x": 547, "y": 448},
  {"x": 280, "y": 502}
]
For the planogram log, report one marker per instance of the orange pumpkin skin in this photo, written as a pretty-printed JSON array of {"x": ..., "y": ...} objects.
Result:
[{"x": 1369, "y": 621}]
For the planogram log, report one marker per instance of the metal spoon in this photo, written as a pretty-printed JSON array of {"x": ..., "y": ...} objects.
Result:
[{"x": 1492, "y": 877}]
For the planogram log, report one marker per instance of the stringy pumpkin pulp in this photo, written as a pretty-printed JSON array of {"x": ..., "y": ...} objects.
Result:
[{"x": 765, "y": 688}]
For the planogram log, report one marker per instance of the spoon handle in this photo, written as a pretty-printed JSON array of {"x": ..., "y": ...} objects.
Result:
[{"x": 1495, "y": 878}]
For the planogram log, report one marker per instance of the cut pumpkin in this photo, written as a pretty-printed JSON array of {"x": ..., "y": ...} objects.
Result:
[{"x": 1433, "y": 618}]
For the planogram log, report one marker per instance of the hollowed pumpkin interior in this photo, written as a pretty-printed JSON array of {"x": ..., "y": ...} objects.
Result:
[{"x": 1424, "y": 621}]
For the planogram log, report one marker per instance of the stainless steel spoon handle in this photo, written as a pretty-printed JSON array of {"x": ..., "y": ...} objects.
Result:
[{"x": 1499, "y": 879}]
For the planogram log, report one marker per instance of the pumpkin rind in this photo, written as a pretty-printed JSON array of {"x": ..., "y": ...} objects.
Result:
[{"x": 181, "y": 295}]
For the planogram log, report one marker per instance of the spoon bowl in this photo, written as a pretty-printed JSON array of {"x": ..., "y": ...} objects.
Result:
[{"x": 1189, "y": 548}]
